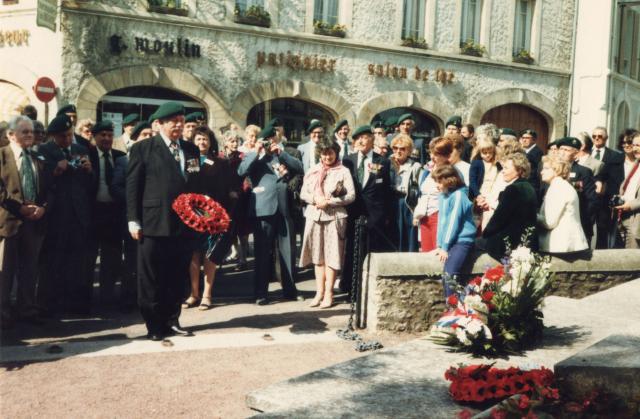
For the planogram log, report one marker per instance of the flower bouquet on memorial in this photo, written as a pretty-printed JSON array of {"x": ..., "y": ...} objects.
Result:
[{"x": 500, "y": 312}]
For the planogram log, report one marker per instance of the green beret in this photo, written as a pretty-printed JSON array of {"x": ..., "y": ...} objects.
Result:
[
  {"x": 276, "y": 122},
  {"x": 66, "y": 109},
  {"x": 341, "y": 123},
  {"x": 391, "y": 121},
  {"x": 508, "y": 131},
  {"x": 152, "y": 118},
  {"x": 404, "y": 117},
  {"x": 378, "y": 124},
  {"x": 105, "y": 125},
  {"x": 530, "y": 132},
  {"x": 455, "y": 121},
  {"x": 60, "y": 123},
  {"x": 267, "y": 132},
  {"x": 130, "y": 119},
  {"x": 569, "y": 142},
  {"x": 313, "y": 125},
  {"x": 364, "y": 129},
  {"x": 138, "y": 129},
  {"x": 169, "y": 109},
  {"x": 194, "y": 117}
]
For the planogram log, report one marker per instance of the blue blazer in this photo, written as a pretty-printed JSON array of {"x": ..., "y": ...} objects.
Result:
[
  {"x": 476, "y": 177},
  {"x": 269, "y": 192},
  {"x": 308, "y": 152}
]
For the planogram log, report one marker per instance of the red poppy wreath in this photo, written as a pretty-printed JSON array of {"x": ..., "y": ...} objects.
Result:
[{"x": 201, "y": 213}]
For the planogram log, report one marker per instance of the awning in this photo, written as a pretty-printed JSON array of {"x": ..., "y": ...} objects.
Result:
[{"x": 12, "y": 100}]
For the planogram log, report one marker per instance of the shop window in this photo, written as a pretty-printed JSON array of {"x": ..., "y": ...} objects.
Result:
[
  {"x": 628, "y": 59},
  {"x": 252, "y": 12},
  {"x": 413, "y": 21},
  {"x": 470, "y": 22},
  {"x": 172, "y": 7},
  {"x": 522, "y": 27}
]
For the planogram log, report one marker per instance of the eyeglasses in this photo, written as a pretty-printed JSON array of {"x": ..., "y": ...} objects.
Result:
[
  {"x": 594, "y": 136},
  {"x": 398, "y": 148},
  {"x": 624, "y": 143}
]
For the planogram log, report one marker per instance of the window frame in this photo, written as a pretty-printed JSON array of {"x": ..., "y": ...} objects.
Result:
[
  {"x": 520, "y": 32},
  {"x": 325, "y": 5},
  {"x": 477, "y": 20},
  {"x": 421, "y": 14}
]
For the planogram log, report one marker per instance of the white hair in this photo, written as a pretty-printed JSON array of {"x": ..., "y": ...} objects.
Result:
[{"x": 17, "y": 120}]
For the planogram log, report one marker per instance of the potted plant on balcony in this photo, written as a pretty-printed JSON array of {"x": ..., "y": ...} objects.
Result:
[
  {"x": 523, "y": 57},
  {"x": 252, "y": 15},
  {"x": 414, "y": 42},
  {"x": 323, "y": 28},
  {"x": 470, "y": 47},
  {"x": 173, "y": 7}
]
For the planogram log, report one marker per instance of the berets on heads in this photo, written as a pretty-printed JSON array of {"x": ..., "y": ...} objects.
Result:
[
  {"x": 569, "y": 142},
  {"x": 455, "y": 120},
  {"x": 390, "y": 122},
  {"x": 169, "y": 109},
  {"x": 276, "y": 122},
  {"x": 378, "y": 124},
  {"x": 194, "y": 117},
  {"x": 404, "y": 117},
  {"x": 313, "y": 125},
  {"x": 105, "y": 125},
  {"x": 60, "y": 123},
  {"x": 267, "y": 132},
  {"x": 341, "y": 123},
  {"x": 66, "y": 109},
  {"x": 138, "y": 129},
  {"x": 130, "y": 119},
  {"x": 508, "y": 131},
  {"x": 530, "y": 132},
  {"x": 364, "y": 129}
]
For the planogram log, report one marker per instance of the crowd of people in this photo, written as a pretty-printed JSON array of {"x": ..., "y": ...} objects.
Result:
[{"x": 74, "y": 192}]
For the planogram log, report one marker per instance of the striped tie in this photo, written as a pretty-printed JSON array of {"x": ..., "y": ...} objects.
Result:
[{"x": 28, "y": 178}]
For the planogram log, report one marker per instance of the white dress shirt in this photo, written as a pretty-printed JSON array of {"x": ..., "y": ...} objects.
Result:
[
  {"x": 367, "y": 163},
  {"x": 103, "y": 194}
]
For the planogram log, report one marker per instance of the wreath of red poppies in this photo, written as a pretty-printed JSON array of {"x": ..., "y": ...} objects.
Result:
[{"x": 201, "y": 213}]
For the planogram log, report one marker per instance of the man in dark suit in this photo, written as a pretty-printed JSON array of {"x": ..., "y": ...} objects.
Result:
[
  {"x": 528, "y": 139},
  {"x": 371, "y": 176},
  {"x": 70, "y": 111},
  {"x": 341, "y": 136},
  {"x": 67, "y": 284},
  {"x": 268, "y": 169},
  {"x": 611, "y": 176},
  {"x": 109, "y": 215},
  {"x": 24, "y": 196},
  {"x": 582, "y": 179},
  {"x": 158, "y": 171}
]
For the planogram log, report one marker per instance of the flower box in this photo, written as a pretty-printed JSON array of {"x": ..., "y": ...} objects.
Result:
[
  {"x": 414, "y": 43},
  {"x": 523, "y": 57},
  {"x": 169, "y": 7},
  {"x": 473, "y": 49},
  {"x": 254, "y": 15},
  {"x": 323, "y": 28}
]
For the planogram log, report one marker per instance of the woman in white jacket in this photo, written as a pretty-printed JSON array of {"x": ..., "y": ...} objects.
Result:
[{"x": 559, "y": 217}]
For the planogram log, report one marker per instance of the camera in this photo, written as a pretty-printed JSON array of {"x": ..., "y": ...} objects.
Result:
[
  {"x": 616, "y": 201},
  {"x": 75, "y": 162},
  {"x": 265, "y": 143}
]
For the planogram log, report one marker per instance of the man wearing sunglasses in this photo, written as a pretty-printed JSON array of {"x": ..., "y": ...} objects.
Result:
[{"x": 611, "y": 176}]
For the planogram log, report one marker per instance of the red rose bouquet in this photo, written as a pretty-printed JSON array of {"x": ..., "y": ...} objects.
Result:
[{"x": 201, "y": 213}]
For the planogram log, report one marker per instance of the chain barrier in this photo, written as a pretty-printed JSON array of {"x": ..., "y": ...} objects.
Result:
[{"x": 349, "y": 333}]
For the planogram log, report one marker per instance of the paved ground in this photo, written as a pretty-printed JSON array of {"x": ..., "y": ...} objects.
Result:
[{"x": 107, "y": 369}]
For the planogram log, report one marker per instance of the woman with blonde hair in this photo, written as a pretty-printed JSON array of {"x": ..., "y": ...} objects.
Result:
[
  {"x": 83, "y": 128},
  {"x": 405, "y": 177},
  {"x": 250, "y": 136},
  {"x": 559, "y": 216}
]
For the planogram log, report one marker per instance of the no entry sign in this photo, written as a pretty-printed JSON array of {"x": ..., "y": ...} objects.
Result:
[{"x": 45, "y": 89}]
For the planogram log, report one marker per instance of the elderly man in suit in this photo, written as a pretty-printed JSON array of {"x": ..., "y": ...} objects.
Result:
[
  {"x": 629, "y": 210},
  {"x": 24, "y": 196},
  {"x": 308, "y": 149},
  {"x": 158, "y": 171},
  {"x": 268, "y": 168},
  {"x": 108, "y": 210},
  {"x": 67, "y": 284},
  {"x": 374, "y": 198}
]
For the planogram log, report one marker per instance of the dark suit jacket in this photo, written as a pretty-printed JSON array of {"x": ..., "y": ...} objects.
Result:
[
  {"x": 80, "y": 140},
  {"x": 535, "y": 158},
  {"x": 11, "y": 190},
  {"x": 517, "y": 211},
  {"x": 73, "y": 188},
  {"x": 582, "y": 178},
  {"x": 612, "y": 173},
  {"x": 118, "y": 159},
  {"x": 476, "y": 177},
  {"x": 214, "y": 180},
  {"x": 373, "y": 199},
  {"x": 154, "y": 181}
]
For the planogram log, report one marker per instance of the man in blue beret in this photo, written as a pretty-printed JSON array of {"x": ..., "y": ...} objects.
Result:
[
  {"x": 67, "y": 285},
  {"x": 268, "y": 169},
  {"x": 157, "y": 174}
]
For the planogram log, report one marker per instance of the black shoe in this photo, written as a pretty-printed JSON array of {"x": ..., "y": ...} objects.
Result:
[
  {"x": 262, "y": 301},
  {"x": 155, "y": 337},
  {"x": 177, "y": 330},
  {"x": 294, "y": 298}
]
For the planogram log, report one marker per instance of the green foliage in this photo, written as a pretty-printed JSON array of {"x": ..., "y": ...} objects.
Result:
[
  {"x": 252, "y": 15},
  {"x": 470, "y": 47},
  {"x": 414, "y": 42},
  {"x": 323, "y": 28},
  {"x": 523, "y": 57}
]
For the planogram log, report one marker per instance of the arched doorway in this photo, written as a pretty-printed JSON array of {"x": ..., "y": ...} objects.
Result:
[
  {"x": 14, "y": 99},
  {"x": 295, "y": 115},
  {"x": 519, "y": 117},
  {"x": 426, "y": 125},
  {"x": 143, "y": 100}
]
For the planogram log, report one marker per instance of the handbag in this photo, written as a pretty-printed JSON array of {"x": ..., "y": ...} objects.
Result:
[
  {"x": 340, "y": 190},
  {"x": 413, "y": 193}
]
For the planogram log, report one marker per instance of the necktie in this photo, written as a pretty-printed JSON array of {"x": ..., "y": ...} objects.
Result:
[
  {"x": 597, "y": 156},
  {"x": 361, "y": 169},
  {"x": 108, "y": 169},
  {"x": 28, "y": 178}
]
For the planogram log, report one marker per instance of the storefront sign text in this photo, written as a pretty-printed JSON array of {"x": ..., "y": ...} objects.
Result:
[
  {"x": 296, "y": 61},
  {"x": 14, "y": 38},
  {"x": 393, "y": 72},
  {"x": 180, "y": 47}
]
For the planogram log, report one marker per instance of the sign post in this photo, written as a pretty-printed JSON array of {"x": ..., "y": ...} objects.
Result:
[{"x": 45, "y": 91}]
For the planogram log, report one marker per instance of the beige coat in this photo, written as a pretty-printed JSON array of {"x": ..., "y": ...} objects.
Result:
[{"x": 336, "y": 208}]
